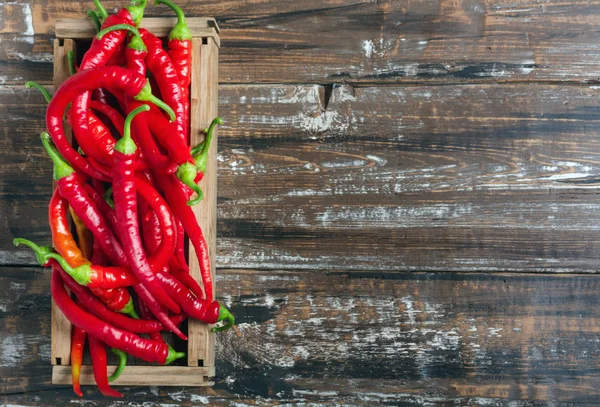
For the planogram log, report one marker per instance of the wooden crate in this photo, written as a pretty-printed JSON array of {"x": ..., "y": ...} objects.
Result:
[{"x": 74, "y": 35}]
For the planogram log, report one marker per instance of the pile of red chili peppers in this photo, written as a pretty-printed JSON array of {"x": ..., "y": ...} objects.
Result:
[{"x": 128, "y": 181}]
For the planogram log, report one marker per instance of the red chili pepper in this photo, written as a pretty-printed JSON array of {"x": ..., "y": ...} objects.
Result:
[
  {"x": 177, "y": 199},
  {"x": 180, "y": 51},
  {"x": 180, "y": 257},
  {"x": 145, "y": 349},
  {"x": 135, "y": 52},
  {"x": 97, "y": 56},
  {"x": 124, "y": 192},
  {"x": 77, "y": 344},
  {"x": 146, "y": 314},
  {"x": 71, "y": 189},
  {"x": 99, "y": 366},
  {"x": 165, "y": 249},
  {"x": 112, "y": 77},
  {"x": 189, "y": 281}
]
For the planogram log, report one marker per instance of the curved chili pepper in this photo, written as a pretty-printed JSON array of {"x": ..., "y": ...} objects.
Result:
[
  {"x": 115, "y": 117},
  {"x": 118, "y": 300},
  {"x": 189, "y": 281},
  {"x": 77, "y": 344},
  {"x": 135, "y": 52},
  {"x": 145, "y": 349},
  {"x": 88, "y": 275},
  {"x": 97, "y": 56},
  {"x": 124, "y": 192},
  {"x": 72, "y": 190},
  {"x": 177, "y": 199},
  {"x": 112, "y": 77},
  {"x": 201, "y": 154},
  {"x": 119, "y": 320},
  {"x": 99, "y": 366},
  {"x": 200, "y": 309},
  {"x": 122, "y": 363},
  {"x": 180, "y": 51},
  {"x": 166, "y": 247}
]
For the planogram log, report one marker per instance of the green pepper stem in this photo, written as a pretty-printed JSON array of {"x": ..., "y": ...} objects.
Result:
[
  {"x": 173, "y": 356},
  {"x": 224, "y": 315},
  {"x": 94, "y": 16},
  {"x": 71, "y": 59},
  {"x": 135, "y": 43},
  {"x": 129, "y": 309},
  {"x": 43, "y": 254},
  {"x": 136, "y": 9},
  {"x": 126, "y": 145},
  {"x": 122, "y": 363},
  {"x": 101, "y": 10},
  {"x": 186, "y": 173},
  {"x": 146, "y": 95},
  {"x": 180, "y": 31},
  {"x": 201, "y": 159},
  {"x": 61, "y": 167},
  {"x": 39, "y": 87}
]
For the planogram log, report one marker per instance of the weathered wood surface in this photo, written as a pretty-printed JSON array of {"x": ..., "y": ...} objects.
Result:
[
  {"x": 483, "y": 177},
  {"x": 408, "y": 339},
  {"x": 357, "y": 41}
]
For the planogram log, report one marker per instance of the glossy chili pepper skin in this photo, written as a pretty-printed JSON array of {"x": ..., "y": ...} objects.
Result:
[
  {"x": 112, "y": 77},
  {"x": 166, "y": 247},
  {"x": 177, "y": 199},
  {"x": 146, "y": 314},
  {"x": 86, "y": 209},
  {"x": 145, "y": 349},
  {"x": 159, "y": 63},
  {"x": 99, "y": 366},
  {"x": 196, "y": 308},
  {"x": 180, "y": 51},
  {"x": 77, "y": 344},
  {"x": 97, "y": 56},
  {"x": 124, "y": 193},
  {"x": 96, "y": 307},
  {"x": 62, "y": 238},
  {"x": 189, "y": 281}
]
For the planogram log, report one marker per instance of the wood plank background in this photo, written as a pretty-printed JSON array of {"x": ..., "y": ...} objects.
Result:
[{"x": 372, "y": 153}]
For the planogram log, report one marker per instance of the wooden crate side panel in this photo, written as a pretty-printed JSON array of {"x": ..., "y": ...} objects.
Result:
[
  {"x": 84, "y": 28},
  {"x": 61, "y": 327},
  {"x": 204, "y": 101},
  {"x": 142, "y": 375}
]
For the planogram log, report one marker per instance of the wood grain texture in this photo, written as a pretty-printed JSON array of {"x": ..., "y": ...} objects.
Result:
[
  {"x": 355, "y": 41},
  {"x": 468, "y": 178},
  {"x": 203, "y": 108},
  {"x": 355, "y": 338}
]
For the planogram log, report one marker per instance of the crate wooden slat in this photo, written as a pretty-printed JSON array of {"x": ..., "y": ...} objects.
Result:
[
  {"x": 200, "y": 369},
  {"x": 142, "y": 375},
  {"x": 78, "y": 29}
]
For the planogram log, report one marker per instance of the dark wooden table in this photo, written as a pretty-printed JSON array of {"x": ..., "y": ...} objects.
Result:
[{"x": 408, "y": 204}]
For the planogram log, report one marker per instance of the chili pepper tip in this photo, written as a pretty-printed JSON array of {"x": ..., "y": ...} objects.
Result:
[
  {"x": 39, "y": 87},
  {"x": 122, "y": 363},
  {"x": 224, "y": 315}
]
